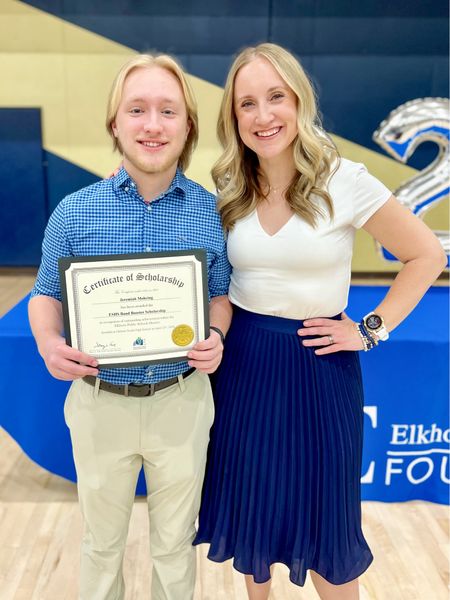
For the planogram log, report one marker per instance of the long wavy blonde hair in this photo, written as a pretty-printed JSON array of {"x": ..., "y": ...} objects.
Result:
[{"x": 236, "y": 173}]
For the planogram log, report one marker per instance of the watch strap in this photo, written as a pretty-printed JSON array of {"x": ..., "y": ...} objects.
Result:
[{"x": 219, "y": 331}]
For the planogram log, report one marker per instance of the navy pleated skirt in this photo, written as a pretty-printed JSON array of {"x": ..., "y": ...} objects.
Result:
[{"x": 282, "y": 481}]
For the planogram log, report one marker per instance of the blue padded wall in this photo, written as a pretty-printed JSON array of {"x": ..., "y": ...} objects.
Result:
[
  {"x": 23, "y": 196},
  {"x": 40, "y": 180}
]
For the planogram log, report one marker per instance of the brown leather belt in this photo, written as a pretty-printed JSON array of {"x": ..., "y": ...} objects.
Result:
[{"x": 132, "y": 389}]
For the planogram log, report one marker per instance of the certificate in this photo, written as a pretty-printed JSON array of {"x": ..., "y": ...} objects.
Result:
[{"x": 135, "y": 309}]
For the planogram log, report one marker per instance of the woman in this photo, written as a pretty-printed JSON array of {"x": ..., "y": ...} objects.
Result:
[{"x": 282, "y": 483}]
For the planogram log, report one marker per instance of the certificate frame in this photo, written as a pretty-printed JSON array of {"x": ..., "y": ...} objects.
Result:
[{"x": 99, "y": 291}]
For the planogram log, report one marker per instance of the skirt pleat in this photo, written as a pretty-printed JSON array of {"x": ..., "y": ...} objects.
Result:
[{"x": 282, "y": 482}]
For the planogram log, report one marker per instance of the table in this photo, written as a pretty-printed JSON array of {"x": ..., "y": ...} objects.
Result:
[{"x": 406, "y": 447}]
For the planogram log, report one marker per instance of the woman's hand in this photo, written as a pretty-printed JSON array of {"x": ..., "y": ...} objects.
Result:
[
  {"x": 116, "y": 170},
  {"x": 334, "y": 335}
]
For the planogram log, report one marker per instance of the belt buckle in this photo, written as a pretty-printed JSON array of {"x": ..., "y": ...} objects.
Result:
[{"x": 150, "y": 386}]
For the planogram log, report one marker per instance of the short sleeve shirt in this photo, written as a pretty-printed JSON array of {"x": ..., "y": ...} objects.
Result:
[
  {"x": 110, "y": 217},
  {"x": 302, "y": 271}
]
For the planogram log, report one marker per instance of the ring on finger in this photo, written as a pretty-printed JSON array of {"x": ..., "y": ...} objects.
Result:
[{"x": 330, "y": 339}]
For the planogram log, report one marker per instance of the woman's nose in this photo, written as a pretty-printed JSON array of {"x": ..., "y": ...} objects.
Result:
[{"x": 264, "y": 114}]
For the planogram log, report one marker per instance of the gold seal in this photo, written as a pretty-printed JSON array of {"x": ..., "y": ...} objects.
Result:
[{"x": 182, "y": 335}]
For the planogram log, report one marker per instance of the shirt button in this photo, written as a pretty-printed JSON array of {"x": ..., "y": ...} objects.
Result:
[
  {"x": 133, "y": 184},
  {"x": 149, "y": 207},
  {"x": 149, "y": 372},
  {"x": 126, "y": 188},
  {"x": 148, "y": 249}
]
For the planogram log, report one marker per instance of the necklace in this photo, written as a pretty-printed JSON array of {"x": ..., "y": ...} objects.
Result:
[{"x": 276, "y": 190}]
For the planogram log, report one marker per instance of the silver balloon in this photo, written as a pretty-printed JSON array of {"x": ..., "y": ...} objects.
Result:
[{"x": 417, "y": 121}]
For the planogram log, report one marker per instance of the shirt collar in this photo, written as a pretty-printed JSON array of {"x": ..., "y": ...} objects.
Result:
[{"x": 123, "y": 180}]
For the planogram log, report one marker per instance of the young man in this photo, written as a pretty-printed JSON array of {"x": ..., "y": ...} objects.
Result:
[{"x": 117, "y": 419}]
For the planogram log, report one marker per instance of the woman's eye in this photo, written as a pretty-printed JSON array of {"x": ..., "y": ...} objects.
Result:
[
  {"x": 168, "y": 111},
  {"x": 277, "y": 96},
  {"x": 136, "y": 111},
  {"x": 246, "y": 104}
]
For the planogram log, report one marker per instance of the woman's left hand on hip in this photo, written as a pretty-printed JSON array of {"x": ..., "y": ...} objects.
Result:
[{"x": 333, "y": 335}]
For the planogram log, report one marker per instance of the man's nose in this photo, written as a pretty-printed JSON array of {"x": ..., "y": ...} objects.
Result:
[{"x": 153, "y": 122}]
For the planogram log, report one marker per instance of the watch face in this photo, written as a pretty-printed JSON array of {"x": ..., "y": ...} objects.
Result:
[{"x": 374, "y": 322}]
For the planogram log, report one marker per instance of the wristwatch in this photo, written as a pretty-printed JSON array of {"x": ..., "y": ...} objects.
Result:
[{"x": 375, "y": 324}]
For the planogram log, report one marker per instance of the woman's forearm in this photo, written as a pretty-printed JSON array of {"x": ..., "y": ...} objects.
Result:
[{"x": 409, "y": 286}]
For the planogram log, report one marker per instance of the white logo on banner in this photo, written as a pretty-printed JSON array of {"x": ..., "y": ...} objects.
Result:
[
  {"x": 417, "y": 465},
  {"x": 372, "y": 413}
]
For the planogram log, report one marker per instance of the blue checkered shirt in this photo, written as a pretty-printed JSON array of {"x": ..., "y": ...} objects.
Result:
[{"x": 110, "y": 217}]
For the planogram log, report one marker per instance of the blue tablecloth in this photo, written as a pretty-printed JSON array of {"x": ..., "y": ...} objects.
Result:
[{"x": 406, "y": 450}]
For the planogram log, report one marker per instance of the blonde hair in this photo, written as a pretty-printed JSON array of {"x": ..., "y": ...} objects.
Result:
[
  {"x": 164, "y": 61},
  {"x": 236, "y": 173}
]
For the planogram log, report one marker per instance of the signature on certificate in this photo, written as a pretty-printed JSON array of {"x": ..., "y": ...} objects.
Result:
[{"x": 103, "y": 347}]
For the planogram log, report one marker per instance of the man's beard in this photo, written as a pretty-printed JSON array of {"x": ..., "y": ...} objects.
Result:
[{"x": 151, "y": 167}]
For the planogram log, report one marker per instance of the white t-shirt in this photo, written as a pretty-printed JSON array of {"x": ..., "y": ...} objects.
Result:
[{"x": 302, "y": 272}]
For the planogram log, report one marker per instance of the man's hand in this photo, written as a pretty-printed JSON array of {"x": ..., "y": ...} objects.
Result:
[
  {"x": 206, "y": 356},
  {"x": 62, "y": 361}
]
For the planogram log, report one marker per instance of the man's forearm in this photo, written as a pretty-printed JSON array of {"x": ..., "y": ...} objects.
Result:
[
  {"x": 45, "y": 314},
  {"x": 220, "y": 313}
]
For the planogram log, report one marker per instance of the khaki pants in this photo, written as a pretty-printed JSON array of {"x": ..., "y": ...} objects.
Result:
[{"x": 112, "y": 437}]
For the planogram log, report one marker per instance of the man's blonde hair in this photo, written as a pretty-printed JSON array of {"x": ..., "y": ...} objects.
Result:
[{"x": 164, "y": 61}]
